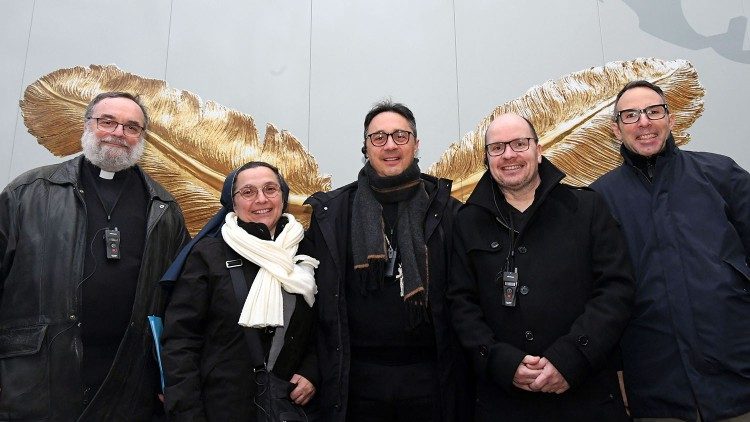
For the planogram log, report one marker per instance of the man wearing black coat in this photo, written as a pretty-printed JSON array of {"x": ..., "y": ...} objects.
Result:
[
  {"x": 385, "y": 347},
  {"x": 541, "y": 288},
  {"x": 686, "y": 219},
  {"x": 74, "y": 337}
]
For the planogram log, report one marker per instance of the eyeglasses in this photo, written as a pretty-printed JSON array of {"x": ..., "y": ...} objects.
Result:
[
  {"x": 251, "y": 192},
  {"x": 400, "y": 137},
  {"x": 518, "y": 145},
  {"x": 632, "y": 115},
  {"x": 108, "y": 125}
]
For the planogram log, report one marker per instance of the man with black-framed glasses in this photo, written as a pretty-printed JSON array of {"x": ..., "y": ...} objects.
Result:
[
  {"x": 83, "y": 245},
  {"x": 540, "y": 288},
  {"x": 686, "y": 219},
  {"x": 386, "y": 351}
]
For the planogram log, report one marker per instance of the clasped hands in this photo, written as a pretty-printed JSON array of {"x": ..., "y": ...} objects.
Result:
[{"x": 537, "y": 374}]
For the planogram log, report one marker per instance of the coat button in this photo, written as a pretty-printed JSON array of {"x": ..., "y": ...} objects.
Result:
[
  {"x": 162, "y": 206},
  {"x": 522, "y": 249},
  {"x": 583, "y": 340},
  {"x": 529, "y": 336},
  {"x": 494, "y": 245},
  {"x": 326, "y": 209},
  {"x": 524, "y": 290},
  {"x": 436, "y": 215},
  {"x": 483, "y": 351}
]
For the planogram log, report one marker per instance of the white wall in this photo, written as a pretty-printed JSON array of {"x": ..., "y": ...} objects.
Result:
[{"x": 315, "y": 68}]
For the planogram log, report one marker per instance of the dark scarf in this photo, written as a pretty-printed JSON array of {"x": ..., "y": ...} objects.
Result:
[{"x": 368, "y": 230}]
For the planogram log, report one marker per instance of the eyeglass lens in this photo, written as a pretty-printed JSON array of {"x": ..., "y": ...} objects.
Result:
[
  {"x": 517, "y": 145},
  {"x": 400, "y": 137},
  {"x": 654, "y": 112},
  {"x": 250, "y": 192},
  {"x": 110, "y": 125}
]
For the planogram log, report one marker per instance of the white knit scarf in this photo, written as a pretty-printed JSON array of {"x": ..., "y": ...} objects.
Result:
[{"x": 279, "y": 268}]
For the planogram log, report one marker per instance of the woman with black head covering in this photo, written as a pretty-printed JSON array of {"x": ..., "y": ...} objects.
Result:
[{"x": 205, "y": 355}]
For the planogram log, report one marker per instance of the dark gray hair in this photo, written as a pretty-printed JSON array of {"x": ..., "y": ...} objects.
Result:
[
  {"x": 636, "y": 84},
  {"x": 117, "y": 94},
  {"x": 386, "y": 106}
]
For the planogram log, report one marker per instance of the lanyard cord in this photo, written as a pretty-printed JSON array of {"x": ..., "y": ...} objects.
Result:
[
  {"x": 393, "y": 240},
  {"x": 510, "y": 258},
  {"x": 119, "y": 195}
]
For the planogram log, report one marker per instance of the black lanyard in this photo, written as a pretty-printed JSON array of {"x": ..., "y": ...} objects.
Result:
[{"x": 119, "y": 195}]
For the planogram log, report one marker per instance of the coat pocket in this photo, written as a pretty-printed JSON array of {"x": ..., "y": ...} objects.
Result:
[
  {"x": 742, "y": 283},
  {"x": 21, "y": 341},
  {"x": 740, "y": 266},
  {"x": 24, "y": 382}
]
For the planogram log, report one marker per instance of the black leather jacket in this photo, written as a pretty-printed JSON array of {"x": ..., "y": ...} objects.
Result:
[{"x": 42, "y": 247}]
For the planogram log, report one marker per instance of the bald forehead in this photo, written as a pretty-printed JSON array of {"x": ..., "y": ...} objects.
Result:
[{"x": 506, "y": 127}]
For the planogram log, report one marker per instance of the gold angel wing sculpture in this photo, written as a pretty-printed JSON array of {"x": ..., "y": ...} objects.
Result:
[
  {"x": 191, "y": 145},
  {"x": 572, "y": 116}
]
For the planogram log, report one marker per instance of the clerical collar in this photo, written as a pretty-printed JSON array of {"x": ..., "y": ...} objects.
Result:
[
  {"x": 100, "y": 174},
  {"x": 104, "y": 174}
]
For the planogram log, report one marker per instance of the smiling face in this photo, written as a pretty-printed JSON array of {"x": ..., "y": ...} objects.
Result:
[
  {"x": 260, "y": 209},
  {"x": 390, "y": 159},
  {"x": 515, "y": 172},
  {"x": 644, "y": 137},
  {"x": 113, "y": 151}
]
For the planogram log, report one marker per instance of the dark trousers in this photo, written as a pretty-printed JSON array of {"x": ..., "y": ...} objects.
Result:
[{"x": 380, "y": 393}]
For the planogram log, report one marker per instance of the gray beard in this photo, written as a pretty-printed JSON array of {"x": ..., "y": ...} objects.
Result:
[{"x": 110, "y": 158}]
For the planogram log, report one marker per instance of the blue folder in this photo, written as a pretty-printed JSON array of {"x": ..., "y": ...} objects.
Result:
[{"x": 156, "y": 329}]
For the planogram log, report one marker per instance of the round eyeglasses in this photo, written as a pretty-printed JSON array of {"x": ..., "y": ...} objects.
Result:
[
  {"x": 632, "y": 115},
  {"x": 108, "y": 125},
  {"x": 379, "y": 139},
  {"x": 251, "y": 192},
  {"x": 518, "y": 145}
]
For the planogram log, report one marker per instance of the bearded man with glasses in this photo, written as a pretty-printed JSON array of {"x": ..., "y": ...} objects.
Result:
[
  {"x": 686, "y": 219},
  {"x": 386, "y": 351},
  {"x": 540, "y": 289},
  {"x": 83, "y": 245}
]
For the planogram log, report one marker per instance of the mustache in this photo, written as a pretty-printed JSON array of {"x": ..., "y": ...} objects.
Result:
[{"x": 114, "y": 140}]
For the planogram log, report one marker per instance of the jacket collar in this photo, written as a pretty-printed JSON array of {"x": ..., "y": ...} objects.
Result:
[
  {"x": 69, "y": 173},
  {"x": 485, "y": 194},
  {"x": 633, "y": 159}
]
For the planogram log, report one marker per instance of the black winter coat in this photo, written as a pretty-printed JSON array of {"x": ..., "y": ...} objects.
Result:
[
  {"x": 573, "y": 300},
  {"x": 687, "y": 347},
  {"x": 205, "y": 354},
  {"x": 329, "y": 235},
  {"x": 42, "y": 247}
]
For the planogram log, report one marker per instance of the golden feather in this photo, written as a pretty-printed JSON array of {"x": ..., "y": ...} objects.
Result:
[
  {"x": 572, "y": 116},
  {"x": 191, "y": 145}
]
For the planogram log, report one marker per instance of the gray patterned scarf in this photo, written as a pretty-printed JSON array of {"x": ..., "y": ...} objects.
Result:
[{"x": 369, "y": 248}]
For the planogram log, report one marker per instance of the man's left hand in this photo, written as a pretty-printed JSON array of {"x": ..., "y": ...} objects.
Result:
[
  {"x": 303, "y": 392},
  {"x": 550, "y": 380}
]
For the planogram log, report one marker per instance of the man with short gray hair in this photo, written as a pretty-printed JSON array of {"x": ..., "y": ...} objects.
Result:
[{"x": 83, "y": 245}]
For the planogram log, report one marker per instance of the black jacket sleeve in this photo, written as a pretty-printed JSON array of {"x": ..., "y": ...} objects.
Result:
[
  {"x": 183, "y": 339},
  {"x": 595, "y": 333}
]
